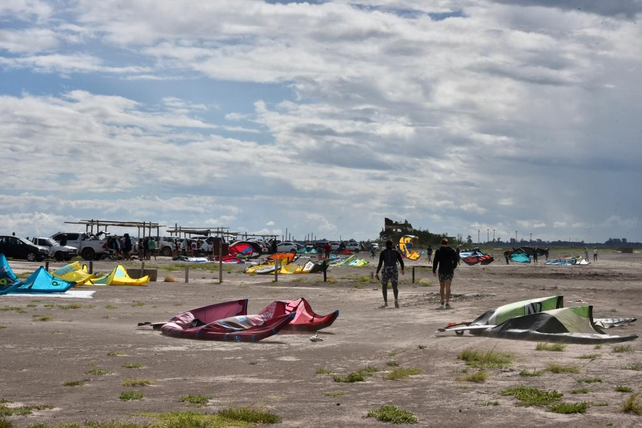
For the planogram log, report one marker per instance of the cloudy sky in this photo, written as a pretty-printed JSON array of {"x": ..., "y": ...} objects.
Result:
[{"x": 324, "y": 117}]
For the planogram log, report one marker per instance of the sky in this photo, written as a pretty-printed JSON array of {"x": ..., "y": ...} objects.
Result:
[{"x": 499, "y": 116}]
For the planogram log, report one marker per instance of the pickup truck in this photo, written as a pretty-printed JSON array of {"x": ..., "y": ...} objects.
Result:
[
  {"x": 57, "y": 251},
  {"x": 88, "y": 247}
]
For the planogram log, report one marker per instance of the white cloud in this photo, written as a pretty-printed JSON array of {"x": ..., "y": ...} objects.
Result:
[{"x": 28, "y": 41}]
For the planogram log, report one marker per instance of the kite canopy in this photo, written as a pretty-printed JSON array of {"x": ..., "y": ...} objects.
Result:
[
  {"x": 248, "y": 250},
  {"x": 475, "y": 256},
  {"x": 8, "y": 280},
  {"x": 227, "y": 321},
  {"x": 119, "y": 276},
  {"x": 42, "y": 281},
  {"x": 73, "y": 272},
  {"x": 520, "y": 258},
  {"x": 405, "y": 247},
  {"x": 305, "y": 320},
  {"x": 544, "y": 320}
]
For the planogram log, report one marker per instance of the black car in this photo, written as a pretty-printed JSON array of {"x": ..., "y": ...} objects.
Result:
[{"x": 19, "y": 248}]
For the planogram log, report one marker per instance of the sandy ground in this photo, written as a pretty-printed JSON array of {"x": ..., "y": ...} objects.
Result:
[{"x": 279, "y": 373}]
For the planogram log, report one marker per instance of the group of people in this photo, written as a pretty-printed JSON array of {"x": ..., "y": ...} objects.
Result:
[
  {"x": 119, "y": 247},
  {"x": 444, "y": 264}
]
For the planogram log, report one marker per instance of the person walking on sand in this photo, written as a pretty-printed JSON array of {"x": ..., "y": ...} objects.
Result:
[
  {"x": 445, "y": 261},
  {"x": 429, "y": 252},
  {"x": 594, "y": 254},
  {"x": 389, "y": 259}
]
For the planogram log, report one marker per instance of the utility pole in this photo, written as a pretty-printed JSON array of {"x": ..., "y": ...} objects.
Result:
[
  {"x": 487, "y": 236},
  {"x": 516, "y": 237},
  {"x": 478, "y": 237}
]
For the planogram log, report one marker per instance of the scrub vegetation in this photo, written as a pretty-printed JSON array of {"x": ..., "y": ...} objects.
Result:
[
  {"x": 402, "y": 373},
  {"x": 533, "y": 373},
  {"x": 560, "y": 368},
  {"x": 392, "y": 414},
  {"x": 633, "y": 404},
  {"x": 570, "y": 408},
  {"x": 554, "y": 347},
  {"x": 479, "y": 377},
  {"x": 485, "y": 360},
  {"x": 137, "y": 382},
  {"x": 623, "y": 348},
  {"x": 98, "y": 372},
  {"x": 131, "y": 395},
  {"x": 196, "y": 400},
  {"x": 530, "y": 396}
]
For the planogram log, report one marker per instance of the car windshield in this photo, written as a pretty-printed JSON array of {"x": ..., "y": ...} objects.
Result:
[{"x": 47, "y": 242}]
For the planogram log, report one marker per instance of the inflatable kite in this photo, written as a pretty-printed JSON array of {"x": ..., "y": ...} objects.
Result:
[
  {"x": 8, "y": 280},
  {"x": 405, "y": 247},
  {"x": 229, "y": 321},
  {"x": 40, "y": 281},
  {"x": 544, "y": 320},
  {"x": 74, "y": 272},
  {"x": 119, "y": 276}
]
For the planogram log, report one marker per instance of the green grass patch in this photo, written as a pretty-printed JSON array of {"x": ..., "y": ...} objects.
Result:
[
  {"x": 425, "y": 282},
  {"x": 323, "y": 371},
  {"x": 635, "y": 366},
  {"x": 392, "y": 414},
  {"x": 479, "y": 377},
  {"x": 532, "y": 373},
  {"x": 392, "y": 354},
  {"x": 370, "y": 370},
  {"x": 2, "y": 326},
  {"x": 570, "y": 408},
  {"x": 334, "y": 393},
  {"x": 132, "y": 365},
  {"x": 598, "y": 346},
  {"x": 350, "y": 378},
  {"x": 530, "y": 396},
  {"x": 131, "y": 395},
  {"x": 137, "y": 382},
  {"x": 554, "y": 347},
  {"x": 109, "y": 306},
  {"x": 589, "y": 356},
  {"x": 584, "y": 390},
  {"x": 249, "y": 415},
  {"x": 402, "y": 373},
  {"x": 633, "y": 404},
  {"x": 623, "y": 348},
  {"x": 41, "y": 318},
  {"x": 20, "y": 410},
  {"x": 32, "y": 305},
  {"x": 98, "y": 372},
  {"x": 137, "y": 304},
  {"x": 116, "y": 354},
  {"x": 196, "y": 400},
  {"x": 70, "y": 306},
  {"x": 590, "y": 380},
  {"x": 18, "y": 309},
  {"x": 75, "y": 383},
  {"x": 485, "y": 360},
  {"x": 392, "y": 363},
  {"x": 622, "y": 388},
  {"x": 421, "y": 346},
  {"x": 560, "y": 368}
]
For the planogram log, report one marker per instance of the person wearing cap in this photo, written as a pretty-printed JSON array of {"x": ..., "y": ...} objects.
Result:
[
  {"x": 445, "y": 262},
  {"x": 389, "y": 258}
]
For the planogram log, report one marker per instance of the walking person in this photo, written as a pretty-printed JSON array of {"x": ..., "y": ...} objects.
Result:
[
  {"x": 151, "y": 246},
  {"x": 127, "y": 247},
  {"x": 445, "y": 262},
  {"x": 389, "y": 258},
  {"x": 429, "y": 252}
]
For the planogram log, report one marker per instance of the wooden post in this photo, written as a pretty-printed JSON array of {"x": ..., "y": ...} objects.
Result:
[
  {"x": 277, "y": 267},
  {"x": 186, "y": 274},
  {"x": 220, "y": 261},
  {"x": 142, "y": 269},
  {"x": 413, "y": 274},
  {"x": 371, "y": 276},
  {"x": 47, "y": 265},
  {"x": 325, "y": 271},
  {"x": 91, "y": 266}
]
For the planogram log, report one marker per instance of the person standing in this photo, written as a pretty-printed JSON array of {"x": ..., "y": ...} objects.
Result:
[
  {"x": 586, "y": 254},
  {"x": 389, "y": 259},
  {"x": 327, "y": 249},
  {"x": 127, "y": 247},
  {"x": 594, "y": 254},
  {"x": 445, "y": 262},
  {"x": 429, "y": 252},
  {"x": 151, "y": 246}
]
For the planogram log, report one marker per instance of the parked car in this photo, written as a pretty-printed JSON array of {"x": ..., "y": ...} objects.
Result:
[
  {"x": 57, "y": 251},
  {"x": 335, "y": 245},
  {"x": 353, "y": 246},
  {"x": 89, "y": 247},
  {"x": 287, "y": 247},
  {"x": 20, "y": 248}
]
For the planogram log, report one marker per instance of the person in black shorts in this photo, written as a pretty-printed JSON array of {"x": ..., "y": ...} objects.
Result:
[
  {"x": 389, "y": 259},
  {"x": 445, "y": 262}
]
